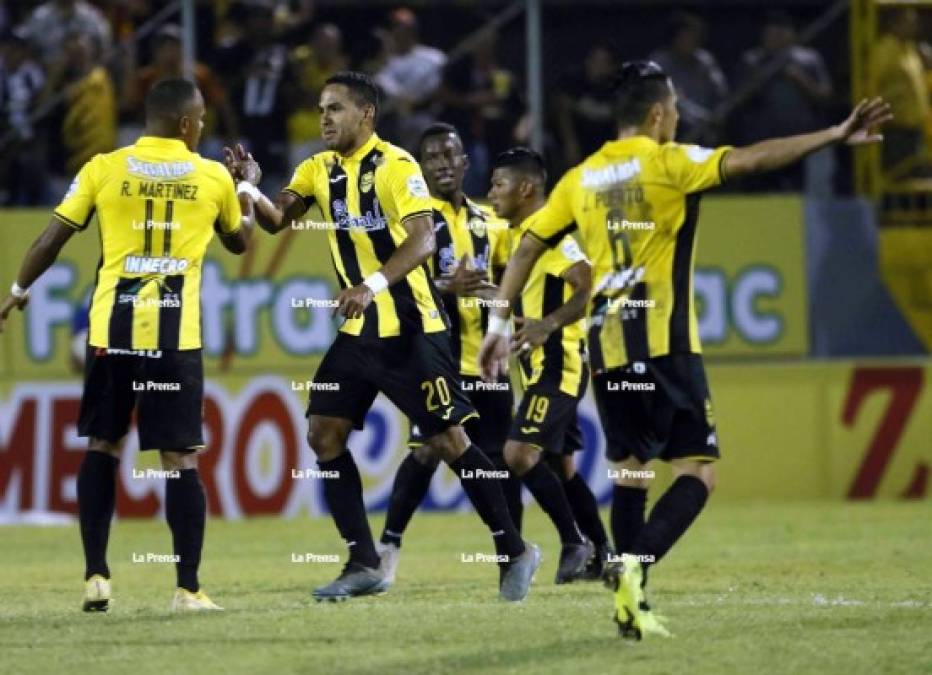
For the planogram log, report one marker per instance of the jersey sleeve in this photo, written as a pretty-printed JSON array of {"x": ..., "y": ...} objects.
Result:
[
  {"x": 555, "y": 220},
  {"x": 407, "y": 189},
  {"x": 566, "y": 254},
  {"x": 77, "y": 206},
  {"x": 302, "y": 182},
  {"x": 692, "y": 168},
  {"x": 231, "y": 215}
]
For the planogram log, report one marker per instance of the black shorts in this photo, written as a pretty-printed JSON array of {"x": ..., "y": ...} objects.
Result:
[
  {"x": 494, "y": 401},
  {"x": 414, "y": 371},
  {"x": 547, "y": 417},
  {"x": 657, "y": 409},
  {"x": 164, "y": 387}
]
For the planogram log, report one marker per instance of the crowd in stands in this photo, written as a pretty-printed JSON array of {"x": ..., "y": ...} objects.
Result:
[{"x": 73, "y": 75}]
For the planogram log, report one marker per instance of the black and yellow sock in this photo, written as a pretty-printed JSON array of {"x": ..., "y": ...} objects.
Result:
[
  {"x": 627, "y": 518},
  {"x": 186, "y": 513},
  {"x": 343, "y": 495},
  {"x": 412, "y": 481},
  {"x": 96, "y": 501},
  {"x": 671, "y": 516}
]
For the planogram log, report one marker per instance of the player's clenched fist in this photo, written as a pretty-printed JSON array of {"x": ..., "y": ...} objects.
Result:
[{"x": 353, "y": 301}]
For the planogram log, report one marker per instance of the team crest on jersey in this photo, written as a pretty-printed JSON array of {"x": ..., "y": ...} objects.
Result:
[
  {"x": 378, "y": 160},
  {"x": 477, "y": 226},
  {"x": 417, "y": 187},
  {"x": 366, "y": 181}
]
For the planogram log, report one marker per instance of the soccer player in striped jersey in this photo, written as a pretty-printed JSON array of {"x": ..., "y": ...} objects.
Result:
[
  {"x": 550, "y": 344},
  {"x": 394, "y": 338},
  {"x": 471, "y": 252},
  {"x": 635, "y": 205},
  {"x": 158, "y": 204}
]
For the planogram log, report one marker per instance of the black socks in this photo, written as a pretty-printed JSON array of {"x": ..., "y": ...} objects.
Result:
[
  {"x": 547, "y": 490},
  {"x": 474, "y": 470},
  {"x": 96, "y": 501},
  {"x": 511, "y": 486},
  {"x": 585, "y": 509},
  {"x": 343, "y": 495},
  {"x": 627, "y": 516},
  {"x": 671, "y": 516},
  {"x": 186, "y": 513},
  {"x": 409, "y": 489}
]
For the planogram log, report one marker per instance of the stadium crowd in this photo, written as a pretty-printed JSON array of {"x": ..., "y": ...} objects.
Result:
[{"x": 262, "y": 64}]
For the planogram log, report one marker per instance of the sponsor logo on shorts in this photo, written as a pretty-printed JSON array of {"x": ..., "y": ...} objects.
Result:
[
  {"x": 311, "y": 385},
  {"x": 481, "y": 385},
  {"x": 146, "y": 353},
  {"x": 624, "y": 385},
  {"x": 483, "y": 474},
  {"x": 156, "y": 558},
  {"x": 315, "y": 558},
  {"x": 647, "y": 474},
  {"x": 149, "y": 385},
  {"x": 530, "y": 430},
  {"x": 303, "y": 474},
  {"x": 483, "y": 558},
  {"x": 155, "y": 474}
]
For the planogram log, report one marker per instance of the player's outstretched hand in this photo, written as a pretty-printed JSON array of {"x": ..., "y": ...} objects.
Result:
[
  {"x": 8, "y": 304},
  {"x": 353, "y": 301},
  {"x": 241, "y": 164},
  {"x": 493, "y": 356},
  {"x": 862, "y": 126}
]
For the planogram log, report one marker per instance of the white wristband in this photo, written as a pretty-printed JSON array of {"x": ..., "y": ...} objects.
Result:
[
  {"x": 499, "y": 326},
  {"x": 245, "y": 188},
  {"x": 18, "y": 291},
  {"x": 376, "y": 282}
]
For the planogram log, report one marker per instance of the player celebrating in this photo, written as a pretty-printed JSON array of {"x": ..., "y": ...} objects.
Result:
[
  {"x": 635, "y": 204},
  {"x": 472, "y": 249},
  {"x": 394, "y": 339},
  {"x": 157, "y": 205},
  {"x": 552, "y": 358}
]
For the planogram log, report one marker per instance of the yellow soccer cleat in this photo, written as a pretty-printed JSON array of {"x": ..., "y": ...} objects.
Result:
[
  {"x": 633, "y": 616},
  {"x": 96, "y": 594},
  {"x": 186, "y": 601}
]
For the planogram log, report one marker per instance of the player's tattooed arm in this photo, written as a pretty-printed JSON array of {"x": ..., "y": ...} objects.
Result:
[
  {"x": 860, "y": 128},
  {"x": 40, "y": 256},
  {"x": 417, "y": 247},
  {"x": 534, "y": 333}
]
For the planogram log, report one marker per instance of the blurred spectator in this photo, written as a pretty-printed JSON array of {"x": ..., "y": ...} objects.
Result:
[
  {"x": 52, "y": 21},
  {"x": 699, "y": 82},
  {"x": 584, "y": 105},
  {"x": 900, "y": 75},
  {"x": 254, "y": 68},
  {"x": 22, "y": 160},
  {"x": 90, "y": 109},
  {"x": 410, "y": 75},
  {"x": 482, "y": 100},
  {"x": 167, "y": 63},
  {"x": 312, "y": 64},
  {"x": 790, "y": 102}
]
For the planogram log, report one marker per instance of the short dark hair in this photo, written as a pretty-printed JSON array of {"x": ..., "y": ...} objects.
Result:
[
  {"x": 436, "y": 129},
  {"x": 683, "y": 21},
  {"x": 362, "y": 88},
  {"x": 166, "y": 100},
  {"x": 638, "y": 86},
  {"x": 524, "y": 160}
]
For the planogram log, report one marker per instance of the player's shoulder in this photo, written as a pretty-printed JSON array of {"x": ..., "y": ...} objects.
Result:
[{"x": 394, "y": 154}]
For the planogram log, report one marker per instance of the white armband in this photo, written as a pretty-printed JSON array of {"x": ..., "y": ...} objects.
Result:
[
  {"x": 245, "y": 188},
  {"x": 18, "y": 291},
  {"x": 376, "y": 282},
  {"x": 499, "y": 326}
]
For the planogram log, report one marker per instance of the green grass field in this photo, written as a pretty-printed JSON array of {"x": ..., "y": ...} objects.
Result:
[{"x": 810, "y": 588}]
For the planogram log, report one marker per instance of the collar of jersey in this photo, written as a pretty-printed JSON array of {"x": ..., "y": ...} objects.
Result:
[
  {"x": 160, "y": 142},
  {"x": 362, "y": 152},
  {"x": 443, "y": 205},
  {"x": 627, "y": 144}
]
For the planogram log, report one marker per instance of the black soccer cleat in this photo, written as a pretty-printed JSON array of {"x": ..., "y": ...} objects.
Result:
[
  {"x": 354, "y": 581},
  {"x": 573, "y": 561},
  {"x": 598, "y": 563}
]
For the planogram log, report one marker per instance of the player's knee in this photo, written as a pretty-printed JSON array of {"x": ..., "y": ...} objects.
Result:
[
  {"x": 520, "y": 457},
  {"x": 704, "y": 471},
  {"x": 100, "y": 445},
  {"x": 174, "y": 460},
  {"x": 448, "y": 445},
  {"x": 327, "y": 439},
  {"x": 632, "y": 473},
  {"x": 426, "y": 456}
]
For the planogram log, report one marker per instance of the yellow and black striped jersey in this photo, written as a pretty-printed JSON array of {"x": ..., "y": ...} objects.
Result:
[
  {"x": 634, "y": 202},
  {"x": 157, "y": 206},
  {"x": 473, "y": 230},
  {"x": 559, "y": 361},
  {"x": 365, "y": 198}
]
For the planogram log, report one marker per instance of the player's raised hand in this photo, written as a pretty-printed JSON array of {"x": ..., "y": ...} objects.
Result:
[
  {"x": 493, "y": 356},
  {"x": 353, "y": 301},
  {"x": 863, "y": 123},
  {"x": 8, "y": 304},
  {"x": 241, "y": 164}
]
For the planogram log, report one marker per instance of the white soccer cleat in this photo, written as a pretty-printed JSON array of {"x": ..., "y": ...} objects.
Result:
[
  {"x": 186, "y": 601},
  {"x": 96, "y": 594},
  {"x": 388, "y": 561}
]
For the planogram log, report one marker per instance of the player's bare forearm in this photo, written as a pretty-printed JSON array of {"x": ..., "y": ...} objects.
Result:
[
  {"x": 275, "y": 217},
  {"x": 776, "y": 153},
  {"x": 43, "y": 252},
  {"x": 516, "y": 274},
  {"x": 237, "y": 242},
  {"x": 417, "y": 247},
  {"x": 579, "y": 277}
]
